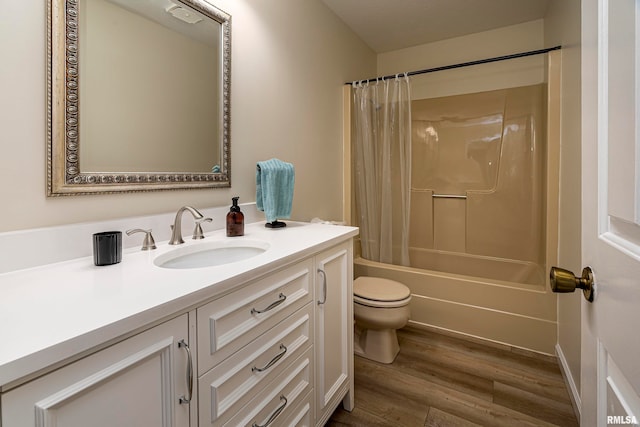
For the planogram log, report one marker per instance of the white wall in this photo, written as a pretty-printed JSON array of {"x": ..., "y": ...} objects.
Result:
[
  {"x": 562, "y": 26},
  {"x": 289, "y": 61},
  {"x": 478, "y": 78}
]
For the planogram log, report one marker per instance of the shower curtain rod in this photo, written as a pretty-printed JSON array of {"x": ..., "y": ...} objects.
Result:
[{"x": 464, "y": 64}]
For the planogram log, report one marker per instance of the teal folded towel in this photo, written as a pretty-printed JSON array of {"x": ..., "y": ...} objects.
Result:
[{"x": 274, "y": 188}]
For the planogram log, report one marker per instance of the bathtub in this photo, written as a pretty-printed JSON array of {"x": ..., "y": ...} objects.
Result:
[
  {"x": 490, "y": 268},
  {"x": 465, "y": 204},
  {"x": 497, "y": 300}
]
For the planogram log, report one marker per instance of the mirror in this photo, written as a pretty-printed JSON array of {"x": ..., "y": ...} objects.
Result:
[{"x": 138, "y": 96}]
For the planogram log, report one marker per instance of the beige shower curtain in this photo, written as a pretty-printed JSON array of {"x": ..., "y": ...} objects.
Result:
[{"x": 382, "y": 122}]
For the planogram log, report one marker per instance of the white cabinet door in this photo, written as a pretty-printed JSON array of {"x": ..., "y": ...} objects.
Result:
[
  {"x": 137, "y": 382},
  {"x": 334, "y": 330}
]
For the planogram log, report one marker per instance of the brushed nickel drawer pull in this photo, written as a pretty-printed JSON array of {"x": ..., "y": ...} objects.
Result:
[
  {"x": 273, "y": 361},
  {"x": 281, "y": 298},
  {"x": 274, "y": 415},
  {"x": 324, "y": 287},
  {"x": 185, "y": 400}
]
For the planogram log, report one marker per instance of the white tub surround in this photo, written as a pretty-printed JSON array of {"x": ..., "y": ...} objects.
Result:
[{"x": 54, "y": 315}]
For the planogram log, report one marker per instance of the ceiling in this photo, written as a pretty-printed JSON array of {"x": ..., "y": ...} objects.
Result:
[
  {"x": 387, "y": 25},
  {"x": 204, "y": 30}
]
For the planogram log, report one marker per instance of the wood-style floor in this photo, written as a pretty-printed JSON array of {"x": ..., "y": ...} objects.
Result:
[{"x": 439, "y": 380}]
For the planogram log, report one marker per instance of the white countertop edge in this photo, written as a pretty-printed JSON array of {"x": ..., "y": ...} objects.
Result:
[{"x": 16, "y": 370}]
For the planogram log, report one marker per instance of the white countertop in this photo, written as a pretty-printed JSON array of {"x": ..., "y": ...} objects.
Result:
[{"x": 51, "y": 313}]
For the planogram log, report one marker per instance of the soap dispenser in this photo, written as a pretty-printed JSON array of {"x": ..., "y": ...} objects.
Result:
[{"x": 235, "y": 220}]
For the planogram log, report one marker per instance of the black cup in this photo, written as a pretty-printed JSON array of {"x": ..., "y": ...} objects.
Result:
[{"x": 107, "y": 247}]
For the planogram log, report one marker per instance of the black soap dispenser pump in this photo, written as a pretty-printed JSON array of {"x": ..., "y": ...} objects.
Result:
[{"x": 235, "y": 220}]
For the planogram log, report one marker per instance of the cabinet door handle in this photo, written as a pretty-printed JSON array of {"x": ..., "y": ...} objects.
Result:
[
  {"x": 273, "y": 361},
  {"x": 324, "y": 286},
  {"x": 275, "y": 413},
  {"x": 281, "y": 298},
  {"x": 186, "y": 400}
]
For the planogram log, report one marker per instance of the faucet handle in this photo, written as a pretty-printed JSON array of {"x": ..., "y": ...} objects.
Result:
[
  {"x": 148, "y": 243},
  {"x": 197, "y": 232}
]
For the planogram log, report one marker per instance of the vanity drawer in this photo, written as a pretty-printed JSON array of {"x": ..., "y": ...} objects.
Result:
[
  {"x": 225, "y": 389},
  {"x": 282, "y": 396},
  {"x": 229, "y": 323},
  {"x": 302, "y": 414}
]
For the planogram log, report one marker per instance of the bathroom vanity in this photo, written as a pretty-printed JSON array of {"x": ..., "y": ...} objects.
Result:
[{"x": 266, "y": 340}]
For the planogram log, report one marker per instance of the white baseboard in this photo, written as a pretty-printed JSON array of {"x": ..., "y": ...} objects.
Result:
[{"x": 574, "y": 393}]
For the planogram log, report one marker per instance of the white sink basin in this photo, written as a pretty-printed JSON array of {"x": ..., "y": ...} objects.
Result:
[{"x": 209, "y": 254}]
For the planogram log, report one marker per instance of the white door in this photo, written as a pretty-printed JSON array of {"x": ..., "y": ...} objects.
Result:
[{"x": 610, "y": 377}]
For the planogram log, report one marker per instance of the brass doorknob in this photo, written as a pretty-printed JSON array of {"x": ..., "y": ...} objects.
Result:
[{"x": 565, "y": 281}]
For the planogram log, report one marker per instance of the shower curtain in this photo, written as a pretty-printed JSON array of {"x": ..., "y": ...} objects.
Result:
[{"x": 382, "y": 127}]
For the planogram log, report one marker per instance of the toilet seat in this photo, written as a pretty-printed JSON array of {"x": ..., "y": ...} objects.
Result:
[{"x": 379, "y": 292}]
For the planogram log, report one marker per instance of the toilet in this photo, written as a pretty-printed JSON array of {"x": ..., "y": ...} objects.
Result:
[{"x": 380, "y": 306}]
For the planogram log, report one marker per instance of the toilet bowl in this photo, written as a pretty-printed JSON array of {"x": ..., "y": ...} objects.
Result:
[{"x": 380, "y": 306}]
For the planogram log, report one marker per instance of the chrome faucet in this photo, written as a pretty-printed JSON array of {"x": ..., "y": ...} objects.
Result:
[{"x": 176, "y": 228}]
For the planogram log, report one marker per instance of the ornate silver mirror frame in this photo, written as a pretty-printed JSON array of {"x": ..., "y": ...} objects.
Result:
[{"x": 64, "y": 173}]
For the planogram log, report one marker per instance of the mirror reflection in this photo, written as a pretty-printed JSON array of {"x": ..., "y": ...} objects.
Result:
[
  {"x": 154, "y": 73},
  {"x": 147, "y": 96}
]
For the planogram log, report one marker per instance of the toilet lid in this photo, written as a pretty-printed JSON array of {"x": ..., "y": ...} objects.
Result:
[{"x": 379, "y": 289}]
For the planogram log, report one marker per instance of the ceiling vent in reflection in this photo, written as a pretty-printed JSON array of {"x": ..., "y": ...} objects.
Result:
[{"x": 183, "y": 14}]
